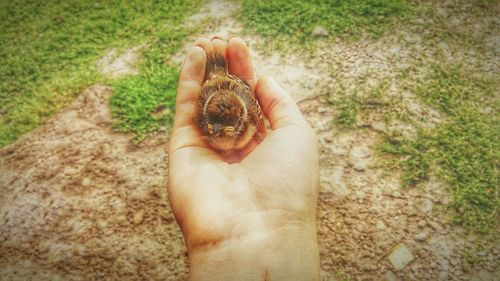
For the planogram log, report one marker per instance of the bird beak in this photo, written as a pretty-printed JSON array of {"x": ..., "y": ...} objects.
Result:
[{"x": 217, "y": 129}]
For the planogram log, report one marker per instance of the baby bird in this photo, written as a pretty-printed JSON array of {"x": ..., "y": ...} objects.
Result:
[{"x": 228, "y": 114}]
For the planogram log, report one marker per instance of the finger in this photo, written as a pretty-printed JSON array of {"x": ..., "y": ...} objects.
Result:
[
  {"x": 240, "y": 61},
  {"x": 277, "y": 105},
  {"x": 184, "y": 137},
  {"x": 219, "y": 46},
  {"x": 205, "y": 43},
  {"x": 188, "y": 90}
]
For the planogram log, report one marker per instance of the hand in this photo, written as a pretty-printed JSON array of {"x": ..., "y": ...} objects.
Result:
[{"x": 250, "y": 215}]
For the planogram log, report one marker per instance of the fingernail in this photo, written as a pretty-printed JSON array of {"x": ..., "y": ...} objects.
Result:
[{"x": 215, "y": 37}]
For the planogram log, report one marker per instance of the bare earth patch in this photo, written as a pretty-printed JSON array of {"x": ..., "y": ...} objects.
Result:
[
  {"x": 116, "y": 65},
  {"x": 80, "y": 202}
]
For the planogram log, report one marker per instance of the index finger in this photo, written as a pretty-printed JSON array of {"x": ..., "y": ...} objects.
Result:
[
  {"x": 240, "y": 61},
  {"x": 188, "y": 90}
]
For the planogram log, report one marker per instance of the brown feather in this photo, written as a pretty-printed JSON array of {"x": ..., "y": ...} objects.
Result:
[{"x": 228, "y": 113}]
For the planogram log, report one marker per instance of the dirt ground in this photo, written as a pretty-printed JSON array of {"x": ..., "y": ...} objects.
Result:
[{"x": 81, "y": 202}]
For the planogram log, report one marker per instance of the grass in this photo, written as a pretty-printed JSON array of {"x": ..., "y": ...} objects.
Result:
[
  {"x": 355, "y": 101},
  {"x": 464, "y": 151},
  {"x": 284, "y": 21},
  {"x": 49, "y": 49},
  {"x": 145, "y": 103}
]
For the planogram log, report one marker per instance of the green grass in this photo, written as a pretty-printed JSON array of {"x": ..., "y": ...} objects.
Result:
[
  {"x": 145, "y": 103},
  {"x": 294, "y": 20},
  {"x": 48, "y": 51},
  {"x": 354, "y": 103},
  {"x": 464, "y": 151}
]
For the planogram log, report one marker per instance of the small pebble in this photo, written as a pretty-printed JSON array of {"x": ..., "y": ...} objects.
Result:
[
  {"x": 322, "y": 110},
  {"x": 434, "y": 225},
  {"x": 390, "y": 276},
  {"x": 360, "y": 167},
  {"x": 69, "y": 171},
  {"x": 379, "y": 126},
  {"x": 85, "y": 182},
  {"x": 396, "y": 193},
  {"x": 422, "y": 224},
  {"x": 443, "y": 276},
  {"x": 319, "y": 32},
  {"x": 400, "y": 256},
  {"x": 426, "y": 206},
  {"x": 138, "y": 217},
  {"x": 481, "y": 253},
  {"x": 360, "y": 195},
  {"x": 422, "y": 236},
  {"x": 380, "y": 225}
]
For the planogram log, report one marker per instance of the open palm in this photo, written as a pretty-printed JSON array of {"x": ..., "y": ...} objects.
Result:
[{"x": 271, "y": 183}]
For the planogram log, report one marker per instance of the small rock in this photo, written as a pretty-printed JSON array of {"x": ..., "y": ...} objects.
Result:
[
  {"x": 360, "y": 165},
  {"x": 444, "y": 231},
  {"x": 422, "y": 236},
  {"x": 442, "y": 12},
  {"x": 445, "y": 265},
  {"x": 422, "y": 224},
  {"x": 434, "y": 225},
  {"x": 380, "y": 225},
  {"x": 334, "y": 183},
  {"x": 445, "y": 48},
  {"x": 322, "y": 109},
  {"x": 138, "y": 217},
  {"x": 481, "y": 253},
  {"x": 348, "y": 221},
  {"x": 426, "y": 206},
  {"x": 390, "y": 276},
  {"x": 369, "y": 267},
  {"x": 121, "y": 218},
  {"x": 443, "y": 276},
  {"x": 85, "y": 182},
  {"x": 379, "y": 126},
  {"x": 360, "y": 195},
  {"x": 410, "y": 211},
  {"x": 396, "y": 193},
  {"x": 319, "y": 32},
  {"x": 360, "y": 152},
  {"x": 69, "y": 171},
  {"x": 360, "y": 228},
  {"x": 400, "y": 256},
  {"x": 419, "y": 21},
  {"x": 413, "y": 38}
]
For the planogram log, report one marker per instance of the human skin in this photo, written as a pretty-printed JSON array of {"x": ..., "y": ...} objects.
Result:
[{"x": 249, "y": 214}]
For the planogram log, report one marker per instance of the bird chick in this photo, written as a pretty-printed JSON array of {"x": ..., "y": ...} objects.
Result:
[{"x": 228, "y": 113}]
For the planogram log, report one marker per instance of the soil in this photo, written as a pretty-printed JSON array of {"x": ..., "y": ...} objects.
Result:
[{"x": 82, "y": 202}]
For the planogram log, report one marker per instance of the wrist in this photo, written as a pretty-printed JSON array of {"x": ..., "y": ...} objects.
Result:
[{"x": 286, "y": 252}]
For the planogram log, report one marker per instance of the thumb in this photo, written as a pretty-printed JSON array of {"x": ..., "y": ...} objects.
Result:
[{"x": 277, "y": 105}]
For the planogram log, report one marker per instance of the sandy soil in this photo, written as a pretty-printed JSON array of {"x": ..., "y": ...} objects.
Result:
[{"x": 81, "y": 202}]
